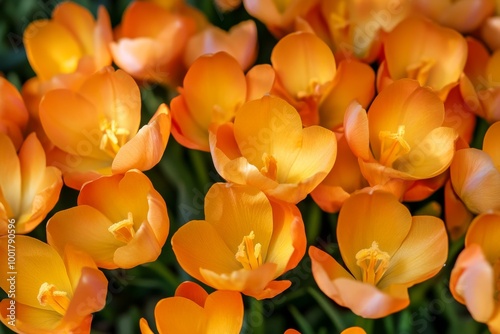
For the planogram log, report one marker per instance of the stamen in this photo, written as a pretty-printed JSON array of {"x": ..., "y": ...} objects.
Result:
[
  {"x": 373, "y": 262},
  {"x": 123, "y": 230},
  {"x": 48, "y": 295},
  {"x": 112, "y": 137},
  {"x": 248, "y": 254},
  {"x": 270, "y": 168},
  {"x": 392, "y": 145}
]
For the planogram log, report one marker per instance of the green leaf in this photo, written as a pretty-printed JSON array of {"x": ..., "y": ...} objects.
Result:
[{"x": 328, "y": 308}]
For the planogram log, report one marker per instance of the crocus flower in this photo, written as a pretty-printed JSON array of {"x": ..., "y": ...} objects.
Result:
[
  {"x": 435, "y": 56},
  {"x": 150, "y": 42},
  {"x": 402, "y": 137},
  {"x": 240, "y": 42},
  {"x": 13, "y": 113},
  {"x": 28, "y": 188},
  {"x": 121, "y": 221},
  {"x": 53, "y": 293},
  {"x": 353, "y": 330},
  {"x": 267, "y": 148},
  {"x": 193, "y": 311},
  {"x": 95, "y": 128},
  {"x": 214, "y": 88},
  {"x": 385, "y": 250},
  {"x": 474, "y": 279},
  {"x": 245, "y": 242}
]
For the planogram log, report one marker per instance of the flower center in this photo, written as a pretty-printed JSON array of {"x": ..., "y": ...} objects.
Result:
[
  {"x": 270, "y": 168},
  {"x": 123, "y": 230},
  {"x": 420, "y": 71},
  {"x": 373, "y": 262},
  {"x": 392, "y": 145},
  {"x": 48, "y": 295},
  {"x": 248, "y": 254},
  {"x": 112, "y": 137}
]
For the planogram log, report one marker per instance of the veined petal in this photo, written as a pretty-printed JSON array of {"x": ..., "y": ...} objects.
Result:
[
  {"x": 198, "y": 245},
  {"x": 51, "y": 48},
  {"x": 85, "y": 228},
  {"x": 356, "y": 130},
  {"x": 366, "y": 218},
  {"x": 235, "y": 210},
  {"x": 421, "y": 255},
  {"x": 179, "y": 315},
  {"x": 224, "y": 311},
  {"x": 10, "y": 176},
  {"x": 303, "y": 63},
  {"x": 472, "y": 283},
  {"x": 30, "y": 319},
  {"x": 146, "y": 148},
  {"x": 484, "y": 231},
  {"x": 490, "y": 143}
]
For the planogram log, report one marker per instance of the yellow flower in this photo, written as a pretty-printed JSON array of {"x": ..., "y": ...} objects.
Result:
[
  {"x": 245, "y": 242},
  {"x": 386, "y": 251},
  {"x": 53, "y": 293},
  {"x": 28, "y": 188},
  {"x": 193, "y": 311},
  {"x": 267, "y": 148},
  {"x": 121, "y": 221}
]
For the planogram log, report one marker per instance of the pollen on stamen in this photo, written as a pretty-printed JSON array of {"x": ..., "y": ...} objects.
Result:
[
  {"x": 248, "y": 254},
  {"x": 373, "y": 262},
  {"x": 48, "y": 295},
  {"x": 113, "y": 137},
  {"x": 392, "y": 145},
  {"x": 123, "y": 230}
]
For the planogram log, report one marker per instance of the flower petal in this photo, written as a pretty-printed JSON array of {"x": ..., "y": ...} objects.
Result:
[
  {"x": 484, "y": 231},
  {"x": 179, "y": 315},
  {"x": 192, "y": 291},
  {"x": 224, "y": 310},
  {"x": 10, "y": 176},
  {"x": 356, "y": 130},
  {"x": 490, "y": 143}
]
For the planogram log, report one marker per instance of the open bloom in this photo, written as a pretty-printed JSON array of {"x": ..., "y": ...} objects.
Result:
[
  {"x": 13, "y": 113},
  {"x": 401, "y": 139},
  {"x": 193, "y": 311},
  {"x": 474, "y": 280},
  {"x": 214, "y": 88},
  {"x": 53, "y": 293},
  {"x": 150, "y": 42},
  {"x": 95, "y": 129},
  {"x": 28, "y": 188},
  {"x": 245, "y": 242},
  {"x": 121, "y": 221},
  {"x": 267, "y": 148},
  {"x": 386, "y": 251}
]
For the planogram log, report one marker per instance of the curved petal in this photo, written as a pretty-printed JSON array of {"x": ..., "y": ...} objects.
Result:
[
  {"x": 260, "y": 80},
  {"x": 421, "y": 255},
  {"x": 10, "y": 177},
  {"x": 490, "y": 143},
  {"x": 235, "y": 210},
  {"x": 366, "y": 218},
  {"x": 457, "y": 216},
  {"x": 86, "y": 229},
  {"x": 224, "y": 311},
  {"x": 179, "y": 315},
  {"x": 353, "y": 330},
  {"x": 303, "y": 63},
  {"x": 466, "y": 15},
  {"x": 192, "y": 291},
  {"x": 472, "y": 283},
  {"x": 78, "y": 21},
  {"x": 144, "y": 327},
  {"x": 185, "y": 129},
  {"x": 357, "y": 131},
  {"x": 146, "y": 148},
  {"x": 29, "y": 319},
  {"x": 484, "y": 231}
]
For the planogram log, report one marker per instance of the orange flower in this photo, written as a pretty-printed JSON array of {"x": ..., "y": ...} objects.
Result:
[
  {"x": 263, "y": 240},
  {"x": 214, "y": 88},
  {"x": 13, "y": 113},
  {"x": 240, "y": 42},
  {"x": 53, "y": 293},
  {"x": 193, "y": 311},
  {"x": 72, "y": 41},
  {"x": 386, "y": 251},
  {"x": 121, "y": 221},
  {"x": 353, "y": 330},
  {"x": 28, "y": 188},
  {"x": 435, "y": 56},
  {"x": 268, "y": 148},
  {"x": 490, "y": 29},
  {"x": 401, "y": 139},
  {"x": 95, "y": 128},
  {"x": 150, "y": 42},
  {"x": 474, "y": 280}
]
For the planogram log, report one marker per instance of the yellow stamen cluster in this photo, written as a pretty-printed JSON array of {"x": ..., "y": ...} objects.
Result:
[
  {"x": 270, "y": 168},
  {"x": 112, "y": 137},
  {"x": 248, "y": 254},
  {"x": 373, "y": 262},
  {"x": 123, "y": 230},
  {"x": 48, "y": 295},
  {"x": 392, "y": 145}
]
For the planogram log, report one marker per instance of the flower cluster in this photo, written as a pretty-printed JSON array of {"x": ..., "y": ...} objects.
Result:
[{"x": 373, "y": 108}]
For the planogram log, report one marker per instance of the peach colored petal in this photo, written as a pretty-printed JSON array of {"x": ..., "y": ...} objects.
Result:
[
  {"x": 484, "y": 231},
  {"x": 472, "y": 283},
  {"x": 467, "y": 15},
  {"x": 179, "y": 315},
  {"x": 192, "y": 291},
  {"x": 146, "y": 148},
  {"x": 103, "y": 36},
  {"x": 357, "y": 131},
  {"x": 457, "y": 216},
  {"x": 421, "y": 255},
  {"x": 354, "y": 82},
  {"x": 224, "y": 311},
  {"x": 10, "y": 176},
  {"x": 489, "y": 32},
  {"x": 365, "y": 218},
  {"x": 78, "y": 21},
  {"x": 247, "y": 208},
  {"x": 185, "y": 129},
  {"x": 475, "y": 180},
  {"x": 304, "y": 64},
  {"x": 477, "y": 60},
  {"x": 260, "y": 80},
  {"x": 51, "y": 48},
  {"x": 490, "y": 143}
]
